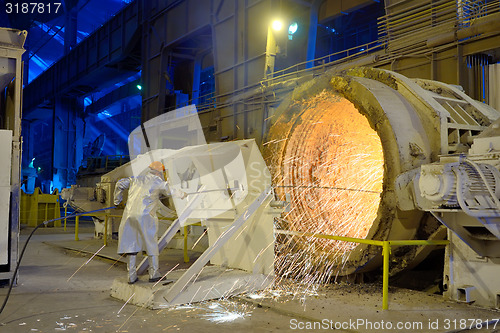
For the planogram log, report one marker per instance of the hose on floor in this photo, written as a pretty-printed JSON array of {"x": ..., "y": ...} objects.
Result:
[{"x": 27, "y": 241}]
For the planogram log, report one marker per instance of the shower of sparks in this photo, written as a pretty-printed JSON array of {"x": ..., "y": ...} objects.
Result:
[
  {"x": 222, "y": 311},
  {"x": 224, "y": 316},
  {"x": 255, "y": 296},
  {"x": 78, "y": 252},
  {"x": 138, "y": 308},
  {"x": 332, "y": 168},
  {"x": 117, "y": 260},
  {"x": 199, "y": 239},
  {"x": 102, "y": 247},
  {"x": 241, "y": 232},
  {"x": 125, "y": 322},
  {"x": 164, "y": 275},
  {"x": 125, "y": 303}
]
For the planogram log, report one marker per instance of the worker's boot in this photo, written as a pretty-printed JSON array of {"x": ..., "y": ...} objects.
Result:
[
  {"x": 154, "y": 269},
  {"x": 132, "y": 268}
]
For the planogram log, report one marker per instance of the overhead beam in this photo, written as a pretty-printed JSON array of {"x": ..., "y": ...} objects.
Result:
[{"x": 102, "y": 49}]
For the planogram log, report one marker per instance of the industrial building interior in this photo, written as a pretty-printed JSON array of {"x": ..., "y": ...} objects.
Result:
[{"x": 340, "y": 162}]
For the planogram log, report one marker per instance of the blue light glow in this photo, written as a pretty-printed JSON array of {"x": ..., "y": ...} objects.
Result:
[{"x": 103, "y": 115}]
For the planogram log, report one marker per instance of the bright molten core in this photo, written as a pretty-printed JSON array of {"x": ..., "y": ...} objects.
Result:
[{"x": 333, "y": 169}]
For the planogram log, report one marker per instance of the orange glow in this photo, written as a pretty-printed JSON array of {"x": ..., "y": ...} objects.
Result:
[{"x": 333, "y": 169}]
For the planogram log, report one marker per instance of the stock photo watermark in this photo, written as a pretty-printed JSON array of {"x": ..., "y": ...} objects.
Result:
[{"x": 363, "y": 324}]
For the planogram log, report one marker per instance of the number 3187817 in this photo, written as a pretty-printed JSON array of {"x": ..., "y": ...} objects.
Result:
[{"x": 32, "y": 8}]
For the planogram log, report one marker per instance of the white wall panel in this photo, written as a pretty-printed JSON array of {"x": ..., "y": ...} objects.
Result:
[
  {"x": 4, "y": 224},
  {"x": 5, "y": 157}
]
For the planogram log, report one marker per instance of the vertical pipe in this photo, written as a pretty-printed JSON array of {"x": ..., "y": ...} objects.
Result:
[
  {"x": 460, "y": 68},
  {"x": 313, "y": 30},
  {"x": 195, "y": 92},
  {"x": 386, "y": 250},
  {"x": 77, "y": 219},
  {"x": 474, "y": 82},
  {"x": 433, "y": 66},
  {"x": 484, "y": 71},
  {"x": 235, "y": 68},
  {"x": 477, "y": 78}
]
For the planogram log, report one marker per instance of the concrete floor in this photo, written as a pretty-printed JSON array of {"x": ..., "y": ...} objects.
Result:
[{"x": 61, "y": 290}]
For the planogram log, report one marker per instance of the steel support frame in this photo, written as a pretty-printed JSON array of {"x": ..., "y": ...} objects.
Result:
[
  {"x": 15, "y": 176},
  {"x": 198, "y": 265}
]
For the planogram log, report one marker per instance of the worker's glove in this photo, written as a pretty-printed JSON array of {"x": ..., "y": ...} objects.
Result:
[{"x": 118, "y": 200}]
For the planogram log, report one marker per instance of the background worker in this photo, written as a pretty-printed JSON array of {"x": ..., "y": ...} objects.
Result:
[{"x": 139, "y": 224}]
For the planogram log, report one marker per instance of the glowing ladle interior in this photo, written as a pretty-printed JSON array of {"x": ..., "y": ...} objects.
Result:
[{"x": 333, "y": 168}]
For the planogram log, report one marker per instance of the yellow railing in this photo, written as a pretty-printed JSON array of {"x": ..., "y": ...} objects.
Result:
[
  {"x": 386, "y": 251},
  {"x": 106, "y": 217},
  {"x": 105, "y": 236},
  {"x": 386, "y": 246}
]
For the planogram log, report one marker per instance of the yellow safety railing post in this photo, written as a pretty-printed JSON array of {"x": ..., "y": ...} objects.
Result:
[
  {"x": 77, "y": 219},
  {"x": 386, "y": 251},
  {"x": 186, "y": 257},
  {"x": 105, "y": 236},
  {"x": 65, "y": 215}
]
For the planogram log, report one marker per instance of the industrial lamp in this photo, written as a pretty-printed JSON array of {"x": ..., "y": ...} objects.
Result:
[
  {"x": 292, "y": 28},
  {"x": 277, "y": 25}
]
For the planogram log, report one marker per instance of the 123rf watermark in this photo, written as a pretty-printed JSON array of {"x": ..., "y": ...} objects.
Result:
[{"x": 384, "y": 325}]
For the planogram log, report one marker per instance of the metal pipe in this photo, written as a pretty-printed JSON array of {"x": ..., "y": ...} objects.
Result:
[
  {"x": 490, "y": 23},
  {"x": 386, "y": 252}
]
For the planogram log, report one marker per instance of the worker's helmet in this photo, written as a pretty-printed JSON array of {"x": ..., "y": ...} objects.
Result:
[{"x": 157, "y": 166}]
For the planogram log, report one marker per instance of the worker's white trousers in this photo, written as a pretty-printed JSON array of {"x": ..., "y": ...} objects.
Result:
[
  {"x": 132, "y": 268},
  {"x": 154, "y": 268}
]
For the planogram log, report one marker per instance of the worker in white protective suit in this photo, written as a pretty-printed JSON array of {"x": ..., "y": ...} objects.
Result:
[{"x": 139, "y": 224}]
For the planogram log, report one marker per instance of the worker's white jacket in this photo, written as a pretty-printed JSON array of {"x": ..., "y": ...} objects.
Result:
[{"x": 139, "y": 224}]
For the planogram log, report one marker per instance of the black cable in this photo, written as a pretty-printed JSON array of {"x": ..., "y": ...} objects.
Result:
[{"x": 26, "y": 244}]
